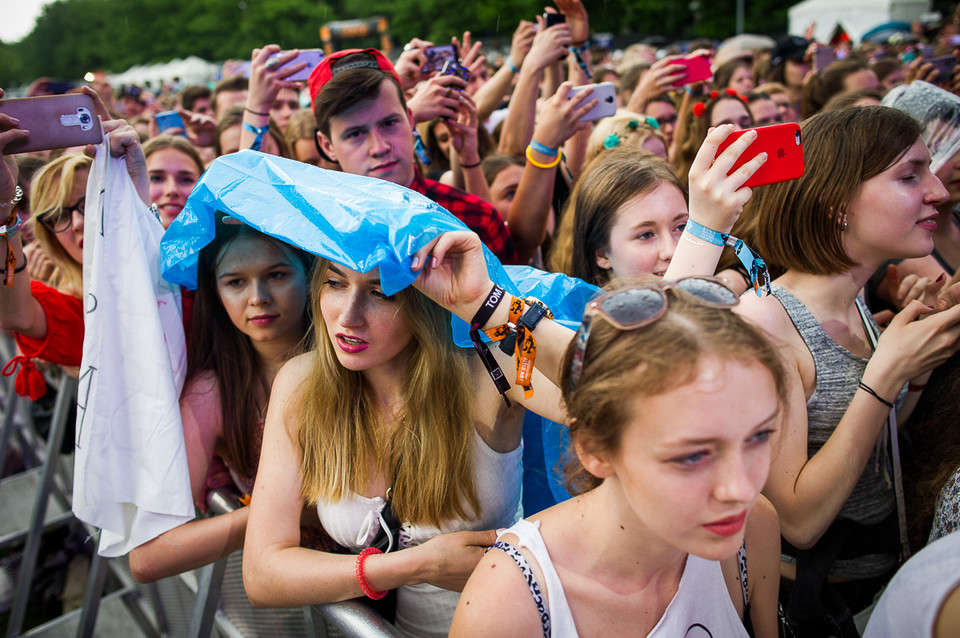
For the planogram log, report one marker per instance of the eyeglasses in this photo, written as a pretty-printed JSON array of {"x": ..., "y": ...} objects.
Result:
[
  {"x": 60, "y": 219},
  {"x": 633, "y": 308}
]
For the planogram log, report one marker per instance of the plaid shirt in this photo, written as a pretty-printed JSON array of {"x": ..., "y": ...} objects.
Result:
[{"x": 477, "y": 214}]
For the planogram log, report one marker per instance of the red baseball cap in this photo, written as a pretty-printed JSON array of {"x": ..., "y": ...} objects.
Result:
[{"x": 324, "y": 72}]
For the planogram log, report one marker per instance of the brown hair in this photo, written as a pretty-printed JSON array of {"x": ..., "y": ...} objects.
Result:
[
  {"x": 796, "y": 221},
  {"x": 232, "y": 83},
  {"x": 614, "y": 178},
  {"x": 348, "y": 88},
  {"x": 218, "y": 347},
  {"x": 493, "y": 165},
  {"x": 621, "y": 366},
  {"x": 827, "y": 83},
  {"x": 723, "y": 75},
  {"x": 177, "y": 143}
]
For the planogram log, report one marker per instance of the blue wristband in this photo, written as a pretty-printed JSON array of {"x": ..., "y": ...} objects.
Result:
[
  {"x": 513, "y": 67},
  {"x": 706, "y": 234},
  {"x": 540, "y": 148},
  {"x": 258, "y": 131}
]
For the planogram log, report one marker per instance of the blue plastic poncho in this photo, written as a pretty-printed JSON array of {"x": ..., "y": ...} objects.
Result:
[{"x": 360, "y": 222}]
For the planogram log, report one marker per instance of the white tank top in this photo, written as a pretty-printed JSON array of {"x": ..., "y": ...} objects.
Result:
[
  {"x": 425, "y": 610},
  {"x": 701, "y": 608}
]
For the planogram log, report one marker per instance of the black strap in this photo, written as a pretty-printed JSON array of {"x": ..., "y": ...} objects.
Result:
[{"x": 532, "y": 583}]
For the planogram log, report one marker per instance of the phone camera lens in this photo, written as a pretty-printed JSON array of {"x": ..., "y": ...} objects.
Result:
[{"x": 84, "y": 118}]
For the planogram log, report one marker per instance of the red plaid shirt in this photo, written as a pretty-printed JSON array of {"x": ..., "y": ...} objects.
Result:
[{"x": 477, "y": 214}]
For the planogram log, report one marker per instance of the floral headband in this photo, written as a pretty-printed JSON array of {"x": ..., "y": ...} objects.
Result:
[
  {"x": 613, "y": 140},
  {"x": 701, "y": 107}
]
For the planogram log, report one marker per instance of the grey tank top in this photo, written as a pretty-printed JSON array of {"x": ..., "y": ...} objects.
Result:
[{"x": 838, "y": 373}]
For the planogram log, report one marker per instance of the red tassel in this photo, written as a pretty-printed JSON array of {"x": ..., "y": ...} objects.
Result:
[{"x": 29, "y": 381}]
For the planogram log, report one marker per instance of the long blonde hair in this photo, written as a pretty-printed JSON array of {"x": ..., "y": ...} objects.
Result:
[
  {"x": 50, "y": 191},
  {"x": 427, "y": 453}
]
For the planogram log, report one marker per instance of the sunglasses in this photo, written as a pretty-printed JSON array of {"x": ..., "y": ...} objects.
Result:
[
  {"x": 60, "y": 219},
  {"x": 633, "y": 308}
]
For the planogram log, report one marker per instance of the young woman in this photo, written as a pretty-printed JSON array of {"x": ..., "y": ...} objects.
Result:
[
  {"x": 828, "y": 232},
  {"x": 627, "y": 214},
  {"x": 387, "y": 419},
  {"x": 670, "y": 459},
  {"x": 47, "y": 322},
  {"x": 249, "y": 317},
  {"x": 174, "y": 167}
]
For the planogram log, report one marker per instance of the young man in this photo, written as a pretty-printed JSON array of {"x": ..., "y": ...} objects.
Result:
[{"x": 364, "y": 124}]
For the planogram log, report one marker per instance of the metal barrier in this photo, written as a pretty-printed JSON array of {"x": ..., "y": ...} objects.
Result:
[{"x": 351, "y": 618}]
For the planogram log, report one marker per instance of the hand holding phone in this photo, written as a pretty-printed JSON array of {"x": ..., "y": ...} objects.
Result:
[
  {"x": 167, "y": 120},
  {"x": 606, "y": 95},
  {"x": 54, "y": 121},
  {"x": 784, "y": 149},
  {"x": 437, "y": 56},
  {"x": 551, "y": 19},
  {"x": 312, "y": 57},
  {"x": 697, "y": 70}
]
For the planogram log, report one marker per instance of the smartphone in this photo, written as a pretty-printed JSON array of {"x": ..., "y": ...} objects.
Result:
[
  {"x": 551, "y": 19},
  {"x": 944, "y": 66},
  {"x": 168, "y": 120},
  {"x": 437, "y": 56},
  {"x": 312, "y": 57},
  {"x": 54, "y": 121},
  {"x": 823, "y": 57},
  {"x": 606, "y": 95},
  {"x": 925, "y": 51},
  {"x": 698, "y": 70},
  {"x": 452, "y": 67},
  {"x": 784, "y": 150}
]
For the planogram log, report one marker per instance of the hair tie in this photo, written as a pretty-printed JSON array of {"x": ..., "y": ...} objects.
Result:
[
  {"x": 699, "y": 109},
  {"x": 714, "y": 95}
]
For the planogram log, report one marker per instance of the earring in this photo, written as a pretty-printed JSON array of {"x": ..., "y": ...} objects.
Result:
[{"x": 843, "y": 225}]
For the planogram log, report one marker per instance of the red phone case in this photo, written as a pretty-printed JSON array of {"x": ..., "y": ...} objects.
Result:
[
  {"x": 784, "y": 149},
  {"x": 698, "y": 70}
]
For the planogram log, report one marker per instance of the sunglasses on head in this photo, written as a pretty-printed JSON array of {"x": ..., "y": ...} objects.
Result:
[
  {"x": 632, "y": 308},
  {"x": 60, "y": 219}
]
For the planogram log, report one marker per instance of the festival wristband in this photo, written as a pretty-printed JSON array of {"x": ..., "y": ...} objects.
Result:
[
  {"x": 513, "y": 67},
  {"x": 543, "y": 148},
  {"x": 534, "y": 162},
  {"x": 258, "y": 131},
  {"x": 714, "y": 237},
  {"x": 756, "y": 267}
]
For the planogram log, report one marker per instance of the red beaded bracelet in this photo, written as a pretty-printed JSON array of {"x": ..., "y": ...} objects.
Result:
[{"x": 364, "y": 587}]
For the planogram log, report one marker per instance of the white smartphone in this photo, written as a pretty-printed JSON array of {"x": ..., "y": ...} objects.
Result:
[{"x": 606, "y": 95}]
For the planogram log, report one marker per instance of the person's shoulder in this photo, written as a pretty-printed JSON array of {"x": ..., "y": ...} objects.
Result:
[
  {"x": 766, "y": 312},
  {"x": 295, "y": 370}
]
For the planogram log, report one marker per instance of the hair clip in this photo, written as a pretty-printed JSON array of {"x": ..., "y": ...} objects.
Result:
[
  {"x": 651, "y": 122},
  {"x": 632, "y": 125},
  {"x": 611, "y": 141},
  {"x": 699, "y": 109}
]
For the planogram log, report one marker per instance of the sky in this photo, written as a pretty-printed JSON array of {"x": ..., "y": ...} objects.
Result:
[{"x": 18, "y": 18}]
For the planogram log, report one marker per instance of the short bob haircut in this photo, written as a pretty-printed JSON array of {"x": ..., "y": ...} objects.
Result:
[{"x": 798, "y": 222}]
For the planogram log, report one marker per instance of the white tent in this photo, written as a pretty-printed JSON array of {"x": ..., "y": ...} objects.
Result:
[
  {"x": 856, "y": 17},
  {"x": 191, "y": 70}
]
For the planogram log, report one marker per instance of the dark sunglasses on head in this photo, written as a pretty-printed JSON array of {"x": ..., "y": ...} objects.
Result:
[
  {"x": 633, "y": 308},
  {"x": 60, "y": 219}
]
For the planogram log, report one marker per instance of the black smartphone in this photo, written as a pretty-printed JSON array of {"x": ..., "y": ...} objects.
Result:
[
  {"x": 452, "y": 67},
  {"x": 552, "y": 19},
  {"x": 437, "y": 56},
  {"x": 944, "y": 66}
]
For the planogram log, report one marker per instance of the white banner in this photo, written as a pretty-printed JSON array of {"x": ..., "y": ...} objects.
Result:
[{"x": 131, "y": 477}]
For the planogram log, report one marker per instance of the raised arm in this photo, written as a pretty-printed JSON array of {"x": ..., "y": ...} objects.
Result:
[
  {"x": 529, "y": 214},
  {"x": 454, "y": 274},
  {"x": 808, "y": 493},
  {"x": 716, "y": 200}
]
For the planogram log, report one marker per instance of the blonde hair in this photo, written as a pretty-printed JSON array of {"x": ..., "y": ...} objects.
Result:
[
  {"x": 630, "y": 128},
  {"x": 50, "y": 192},
  {"x": 427, "y": 454}
]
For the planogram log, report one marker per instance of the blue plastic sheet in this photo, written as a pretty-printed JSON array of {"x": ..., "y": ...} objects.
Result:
[{"x": 360, "y": 222}]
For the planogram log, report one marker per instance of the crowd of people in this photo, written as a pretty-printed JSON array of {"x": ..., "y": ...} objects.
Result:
[{"x": 760, "y": 403}]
